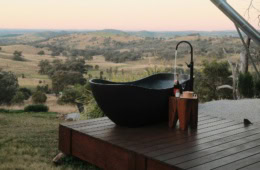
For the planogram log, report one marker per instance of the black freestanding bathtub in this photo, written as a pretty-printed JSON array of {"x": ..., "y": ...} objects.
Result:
[{"x": 136, "y": 103}]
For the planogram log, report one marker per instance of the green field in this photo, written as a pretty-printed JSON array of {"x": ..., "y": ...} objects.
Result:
[{"x": 30, "y": 141}]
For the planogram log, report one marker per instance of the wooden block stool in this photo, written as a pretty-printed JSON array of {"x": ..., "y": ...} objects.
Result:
[{"x": 186, "y": 110}]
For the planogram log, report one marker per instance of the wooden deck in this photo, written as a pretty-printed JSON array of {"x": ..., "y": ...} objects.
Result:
[{"x": 216, "y": 144}]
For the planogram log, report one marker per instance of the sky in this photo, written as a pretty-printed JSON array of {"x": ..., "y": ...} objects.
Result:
[{"x": 153, "y": 15}]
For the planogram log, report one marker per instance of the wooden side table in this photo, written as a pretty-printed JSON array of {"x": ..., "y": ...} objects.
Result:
[{"x": 186, "y": 110}]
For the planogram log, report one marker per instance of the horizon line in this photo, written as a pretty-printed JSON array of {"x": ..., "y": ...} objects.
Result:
[{"x": 123, "y": 30}]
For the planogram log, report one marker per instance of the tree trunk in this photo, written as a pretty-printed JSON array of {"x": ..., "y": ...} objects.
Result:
[
  {"x": 235, "y": 72},
  {"x": 80, "y": 107},
  {"x": 244, "y": 59}
]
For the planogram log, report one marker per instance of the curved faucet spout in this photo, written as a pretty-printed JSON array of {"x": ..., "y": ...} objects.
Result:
[
  {"x": 191, "y": 48},
  {"x": 191, "y": 65}
]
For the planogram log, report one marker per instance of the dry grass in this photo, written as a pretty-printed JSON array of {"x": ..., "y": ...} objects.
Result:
[
  {"x": 29, "y": 68},
  {"x": 26, "y": 49},
  {"x": 81, "y": 40},
  {"x": 32, "y": 83},
  {"x": 51, "y": 103}
]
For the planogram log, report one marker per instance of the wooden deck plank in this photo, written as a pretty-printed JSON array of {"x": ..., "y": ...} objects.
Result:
[
  {"x": 211, "y": 133},
  {"x": 216, "y": 143},
  {"x": 106, "y": 156},
  {"x": 156, "y": 165},
  {"x": 79, "y": 122},
  {"x": 255, "y": 166},
  {"x": 217, "y": 152},
  {"x": 106, "y": 128},
  {"x": 180, "y": 152},
  {"x": 65, "y": 139},
  {"x": 166, "y": 142},
  {"x": 199, "y": 128},
  {"x": 212, "y": 146},
  {"x": 242, "y": 163},
  {"x": 229, "y": 159},
  {"x": 114, "y": 134},
  {"x": 189, "y": 142},
  {"x": 94, "y": 126}
]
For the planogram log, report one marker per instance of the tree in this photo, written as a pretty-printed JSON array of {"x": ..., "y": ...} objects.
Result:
[
  {"x": 55, "y": 53},
  {"x": 18, "y": 56},
  {"x": 43, "y": 88},
  {"x": 39, "y": 97},
  {"x": 26, "y": 92},
  {"x": 8, "y": 87},
  {"x": 246, "y": 85},
  {"x": 253, "y": 7},
  {"x": 77, "y": 65},
  {"x": 18, "y": 98},
  {"x": 41, "y": 52},
  {"x": 212, "y": 76},
  {"x": 71, "y": 94},
  {"x": 62, "y": 79},
  {"x": 245, "y": 55},
  {"x": 17, "y": 53},
  {"x": 74, "y": 65},
  {"x": 45, "y": 67},
  {"x": 96, "y": 67}
]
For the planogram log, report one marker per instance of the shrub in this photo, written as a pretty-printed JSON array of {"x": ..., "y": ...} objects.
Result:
[
  {"x": 246, "y": 85},
  {"x": 96, "y": 67},
  {"x": 62, "y": 79},
  {"x": 213, "y": 74},
  {"x": 26, "y": 92},
  {"x": 11, "y": 111},
  {"x": 257, "y": 88},
  {"x": 39, "y": 97},
  {"x": 18, "y": 56},
  {"x": 71, "y": 94},
  {"x": 45, "y": 67},
  {"x": 44, "y": 88},
  {"x": 36, "y": 108},
  {"x": 8, "y": 87},
  {"x": 41, "y": 52},
  {"x": 18, "y": 98}
]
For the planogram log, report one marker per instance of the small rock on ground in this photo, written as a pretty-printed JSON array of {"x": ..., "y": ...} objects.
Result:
[{"x": 72, "y": 116}]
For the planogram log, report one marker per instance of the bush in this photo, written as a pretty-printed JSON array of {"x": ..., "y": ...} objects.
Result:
[
  {"x": 62, "y": 79},
  {"x": 41, "y": 52},
  {"x": 246, "y": 85},
  {"x": 18, "y": 56},
  {"x": 71, "y": 94},
  {"x": 257, "y": 88},
  {"x": 213, "y": 74},
  {"x": 11, "y": 111},
  {"x": 18, "y": 98},
  {"x": 36, "y": 108},
  {"x": 39, "y": 97},
  {"x": 8, "y": 87},
  {"x": 26, "y": 92},
  {"x": 44, "y": 88}
]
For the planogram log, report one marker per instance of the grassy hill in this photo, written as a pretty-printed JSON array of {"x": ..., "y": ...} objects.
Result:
[
  {"x": 151, "y": 50},
  {"x": 85, "y": 40},
  {"x": 25, "y": 37}
]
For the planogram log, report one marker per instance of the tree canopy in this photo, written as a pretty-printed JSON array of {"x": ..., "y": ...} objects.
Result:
[{"x": 8, "y": 87}]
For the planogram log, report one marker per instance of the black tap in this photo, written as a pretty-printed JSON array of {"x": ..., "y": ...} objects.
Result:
[{"x": 191, "y": 65}]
